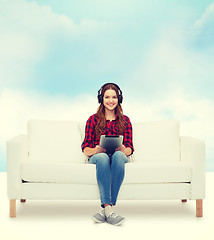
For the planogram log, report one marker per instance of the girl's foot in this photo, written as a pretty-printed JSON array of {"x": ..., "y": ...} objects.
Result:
[
  {"x": 115, "y": 219},
  {"x": 99, "y": 217}
]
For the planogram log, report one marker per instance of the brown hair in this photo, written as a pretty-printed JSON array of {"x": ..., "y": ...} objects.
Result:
[{"x": 101, "y": 112}]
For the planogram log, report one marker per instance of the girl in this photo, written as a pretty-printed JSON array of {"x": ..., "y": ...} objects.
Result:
[{"x": 109, "y": 120}]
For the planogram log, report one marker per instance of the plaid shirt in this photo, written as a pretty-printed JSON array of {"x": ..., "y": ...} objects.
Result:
[{"x": 111, "y": 128}]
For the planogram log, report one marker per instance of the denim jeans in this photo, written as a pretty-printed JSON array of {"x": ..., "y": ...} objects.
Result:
[{"x": 110, "y": 174}]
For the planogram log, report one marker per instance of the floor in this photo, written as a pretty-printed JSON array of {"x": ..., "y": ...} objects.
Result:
[{"x": 37, "y": 220}]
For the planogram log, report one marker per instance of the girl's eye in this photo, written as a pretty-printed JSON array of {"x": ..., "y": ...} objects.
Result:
[{"x": 112, "y": 97}]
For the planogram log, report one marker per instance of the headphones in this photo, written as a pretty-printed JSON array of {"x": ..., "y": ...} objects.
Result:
[{"x": 100, "y": 97}]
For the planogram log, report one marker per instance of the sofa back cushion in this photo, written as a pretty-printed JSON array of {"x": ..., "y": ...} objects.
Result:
[
  {"x": 156, "y": 141},
  {"x": 54, "y": 141}
]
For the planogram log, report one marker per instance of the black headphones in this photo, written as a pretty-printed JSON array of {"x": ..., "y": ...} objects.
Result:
[{"x": 100, "y": 97}]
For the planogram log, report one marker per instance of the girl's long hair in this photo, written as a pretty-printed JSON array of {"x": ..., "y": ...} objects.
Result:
[{"x": 101, "y": 113}]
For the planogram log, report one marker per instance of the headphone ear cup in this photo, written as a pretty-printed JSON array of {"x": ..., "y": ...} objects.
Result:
[
  {"x": 120, "y": 99},
  {"x": 100, "y": 98}
]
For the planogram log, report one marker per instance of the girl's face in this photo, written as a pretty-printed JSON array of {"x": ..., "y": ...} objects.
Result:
[{"x": 110, "y": 100}]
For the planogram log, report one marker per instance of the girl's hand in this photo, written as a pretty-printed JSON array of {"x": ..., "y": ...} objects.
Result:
[
  {"x": 99, "y": 149},
  {"x": 121, "y": 148},
  {"x": 127, "y": 151}
]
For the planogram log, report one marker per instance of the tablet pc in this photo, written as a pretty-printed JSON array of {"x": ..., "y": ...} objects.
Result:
[{"x": 110, "y": 142}]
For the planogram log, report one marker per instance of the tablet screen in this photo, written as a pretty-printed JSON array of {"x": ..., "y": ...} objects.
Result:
[{"x": 110, "y": 142}]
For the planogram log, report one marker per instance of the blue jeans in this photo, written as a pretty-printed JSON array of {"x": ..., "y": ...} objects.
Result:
[{"x": 110, "y": 174}]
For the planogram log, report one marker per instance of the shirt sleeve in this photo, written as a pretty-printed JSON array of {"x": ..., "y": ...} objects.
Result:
[
  {"x": 128, "y": 138},
  {"x": 89, "y": 133}
]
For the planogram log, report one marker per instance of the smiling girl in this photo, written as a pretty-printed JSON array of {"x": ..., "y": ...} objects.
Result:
[{"x": 110, "y": 169}]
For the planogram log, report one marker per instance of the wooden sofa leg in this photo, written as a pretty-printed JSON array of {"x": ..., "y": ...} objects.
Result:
[
  {"x": 23, "y": 200},
  {"x": 13, "y": 208},
  {"x": 184, "y": 200},
  {"x": 199, "y": 208}
]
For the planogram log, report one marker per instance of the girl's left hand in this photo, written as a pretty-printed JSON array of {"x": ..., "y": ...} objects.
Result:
[
  {"x": 121, "y": 148},
  {"x": 127, "y": 151}
]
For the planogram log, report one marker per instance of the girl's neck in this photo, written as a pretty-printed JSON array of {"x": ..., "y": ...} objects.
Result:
[{"x": 110, "y": 115}]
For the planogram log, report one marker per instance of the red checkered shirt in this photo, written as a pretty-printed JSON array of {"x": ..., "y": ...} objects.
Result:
[{"x": 111, "y": 128}]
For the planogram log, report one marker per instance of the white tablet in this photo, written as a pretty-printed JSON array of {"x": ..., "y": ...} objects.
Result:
[{"x": 110, "y": 142}]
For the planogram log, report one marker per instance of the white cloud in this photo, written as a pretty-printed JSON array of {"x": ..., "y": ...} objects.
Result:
[
  {"x": 207, "y": 16},
  {"x": 169, "y": 60},
  {"x": 178, "y": 59},
  {"x": 165, "y": 61},
  {"x": 27, "y": 38},
  {"x": 202, "y": 31},
  {"x": 17, "y": 107},
  {"x": 196, "y": 117}
]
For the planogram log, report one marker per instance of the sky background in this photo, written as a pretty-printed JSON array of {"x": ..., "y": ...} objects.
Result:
[{"x": 55, "y": 55}]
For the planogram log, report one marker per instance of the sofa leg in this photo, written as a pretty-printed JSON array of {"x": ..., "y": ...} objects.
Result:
[
  {"x": 184, "y": 200},
  {"x": 199, "y": 207},
  {"x": 23, "y": 200},
  {"x": 13, "y": 208}
]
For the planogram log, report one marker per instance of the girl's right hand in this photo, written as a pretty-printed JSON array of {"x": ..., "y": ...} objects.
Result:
[{"x": 99, "y": 149}]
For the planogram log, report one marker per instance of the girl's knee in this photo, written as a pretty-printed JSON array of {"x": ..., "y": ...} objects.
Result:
[
  {"x": 119, "y": 157},
  {"x": 99, "y": 158},
  {"x": 119, "y": 154}
]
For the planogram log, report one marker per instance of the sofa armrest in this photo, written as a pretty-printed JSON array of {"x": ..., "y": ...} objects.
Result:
[
  {"x": 193, "y": 153},
  {"x": 17, "y": 152}
]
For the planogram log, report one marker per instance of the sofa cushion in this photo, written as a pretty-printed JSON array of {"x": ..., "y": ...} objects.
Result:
[
  {"x": 76, "y": 173},
  {"x": 156, "y": 141},
  {"x": 80, "y": 173},
  {"x": 54, "y": 141},
  {"x": 162, "y": 172}
]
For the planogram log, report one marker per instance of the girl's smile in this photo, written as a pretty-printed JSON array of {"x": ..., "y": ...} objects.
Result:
[{"x": 110, "y": 100}]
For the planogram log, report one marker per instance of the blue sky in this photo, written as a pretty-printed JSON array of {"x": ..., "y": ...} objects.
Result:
[{"x": 55, "y": 55}]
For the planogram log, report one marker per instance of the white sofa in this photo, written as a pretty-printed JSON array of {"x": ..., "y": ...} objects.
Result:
[{"x": 48, "y": 164}]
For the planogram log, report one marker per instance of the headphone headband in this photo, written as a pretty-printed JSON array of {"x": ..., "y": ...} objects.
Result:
[{"x": 100, "y": 97}]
